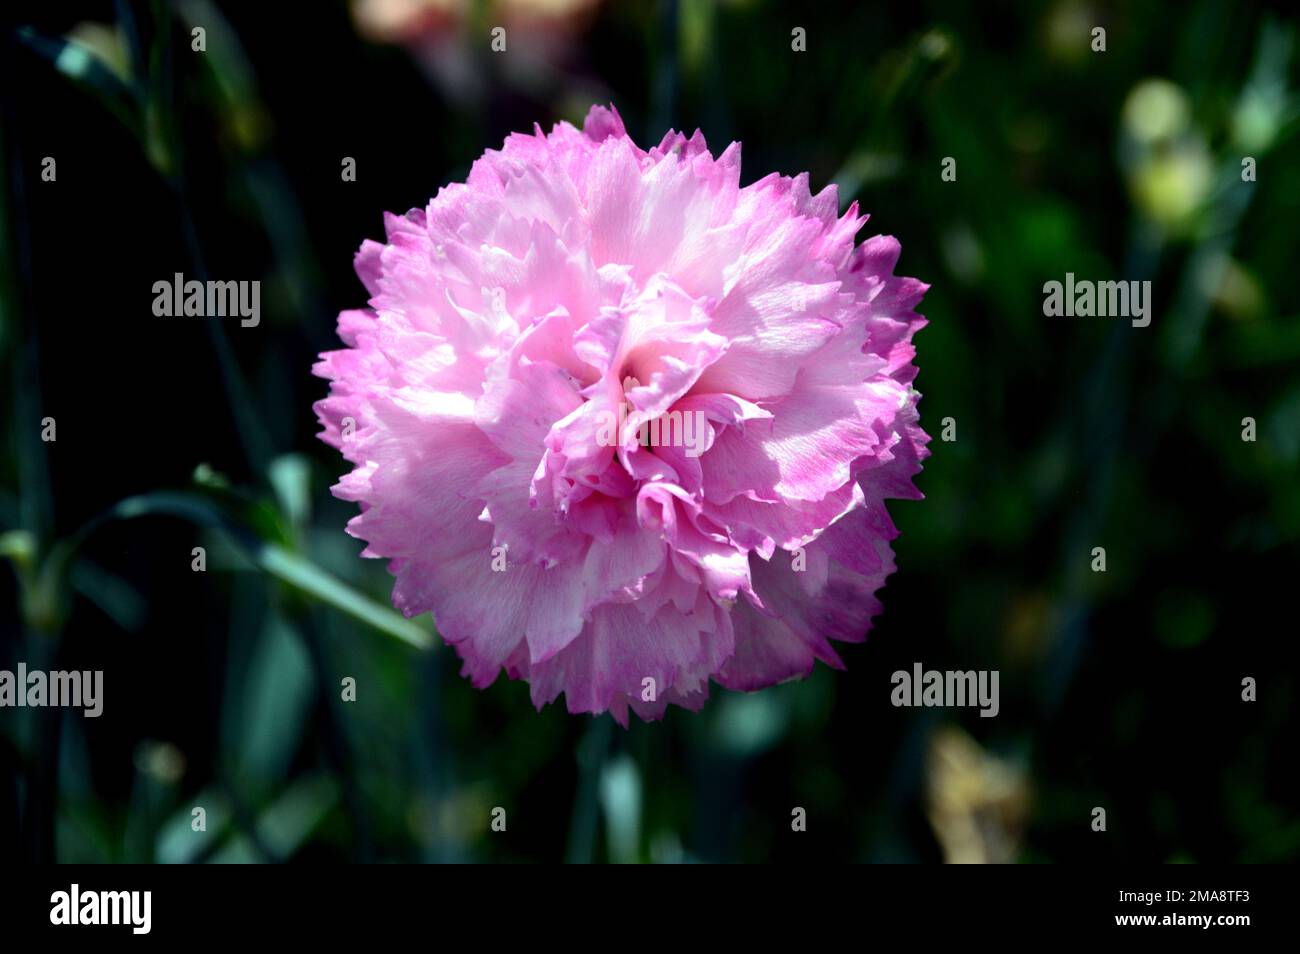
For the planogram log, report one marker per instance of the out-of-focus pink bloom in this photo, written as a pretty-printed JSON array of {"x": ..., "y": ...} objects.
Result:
[
  {"x": 450, "y": 42},
  {"x": 625, "y": 427}
]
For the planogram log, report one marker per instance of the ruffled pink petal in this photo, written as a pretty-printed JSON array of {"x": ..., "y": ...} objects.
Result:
[{"x": 626, "y": 427}]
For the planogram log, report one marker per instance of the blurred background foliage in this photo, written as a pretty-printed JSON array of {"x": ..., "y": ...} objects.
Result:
[{"x": 222, "y": 689}]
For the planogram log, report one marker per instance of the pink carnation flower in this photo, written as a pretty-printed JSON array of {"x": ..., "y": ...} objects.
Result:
[{"x": 501, "y": 401}]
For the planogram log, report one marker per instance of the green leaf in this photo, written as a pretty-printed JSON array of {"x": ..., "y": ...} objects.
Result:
[
  {"x": 119, "y": 600},
  {"x": 291, "y": 568},
  {"x": 269, "y": 700},
  {"x": 84, "y": 67},
  {"x": 286, "y": 823},
  {"x": 19, "y": 546},
  {"x": 179, "y": 843},
  {"x": 306, "y": 576},
  {"x": 290, "y": 476}
]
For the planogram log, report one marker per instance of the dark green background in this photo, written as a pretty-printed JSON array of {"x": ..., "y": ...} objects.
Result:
[{"x": 1119, "y": 690}]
